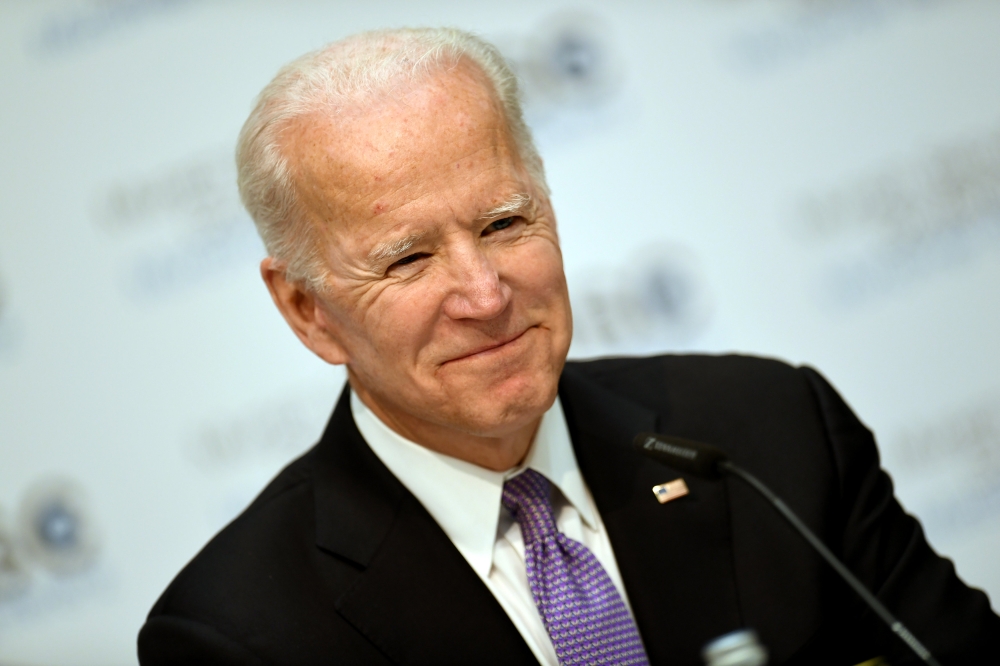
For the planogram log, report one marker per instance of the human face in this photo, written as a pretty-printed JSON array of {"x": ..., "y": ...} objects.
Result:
[{"x": 446, "y": 296}]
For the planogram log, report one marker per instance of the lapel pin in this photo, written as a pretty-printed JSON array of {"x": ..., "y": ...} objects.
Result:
[{"x": 670, "y": 490}]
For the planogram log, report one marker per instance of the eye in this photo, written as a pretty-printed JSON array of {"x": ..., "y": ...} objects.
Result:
[
  {"x": 499, "y": 225},
  {"x": 409, "y": 259}
]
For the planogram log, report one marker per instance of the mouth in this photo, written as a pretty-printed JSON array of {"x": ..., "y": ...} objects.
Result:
[{"x": 489, "y": 349}]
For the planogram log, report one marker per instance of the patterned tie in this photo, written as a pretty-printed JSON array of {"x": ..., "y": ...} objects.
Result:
[{"x": 580, "y": 606}]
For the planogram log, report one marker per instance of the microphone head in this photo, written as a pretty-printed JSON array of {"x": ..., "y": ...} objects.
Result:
[{"x": 682, "y": 454}]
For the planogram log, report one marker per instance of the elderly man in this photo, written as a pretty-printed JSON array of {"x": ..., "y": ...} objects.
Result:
[{"x": 474, "y": 498}]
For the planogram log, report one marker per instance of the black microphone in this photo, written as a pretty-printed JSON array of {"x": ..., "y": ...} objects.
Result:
[
  {"x": 708, "y": 462},
  {"x": 682, "y": 454}
]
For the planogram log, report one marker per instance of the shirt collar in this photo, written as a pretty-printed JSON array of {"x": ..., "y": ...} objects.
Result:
[{"x": 464, "y": 498}]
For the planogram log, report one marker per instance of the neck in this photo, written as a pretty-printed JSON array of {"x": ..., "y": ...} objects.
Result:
[{"x": 498, "y": 453}]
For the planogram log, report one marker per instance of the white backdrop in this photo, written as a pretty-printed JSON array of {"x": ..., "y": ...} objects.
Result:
[{"x": 817, "y": 181}]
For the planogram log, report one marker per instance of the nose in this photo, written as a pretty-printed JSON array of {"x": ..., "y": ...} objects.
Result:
[{"x": 478, "y": 292}]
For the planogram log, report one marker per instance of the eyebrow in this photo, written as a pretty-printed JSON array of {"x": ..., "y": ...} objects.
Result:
[
  {"x": 393, "y": 249},
  {"x": 516, "y": 203}
]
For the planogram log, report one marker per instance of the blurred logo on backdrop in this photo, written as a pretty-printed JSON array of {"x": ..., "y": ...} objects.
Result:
[
  {"x": 806, "y": 27},
  {"x": 659, "y": 300},
  {"x": 7, "y": 327},
  {"x": 13, "y": 573},
  {"x": 272, "y": 431},
  {"x": 53, "y": 539},
  {"x": 570, "y": 70},
  {"x": 951, "y": 467},
  {"x": 245, "y": 448},
  {"x": 183, "y": 224},
  {"x": 939, "y": 211},
  {"x": 84, "y": 23},
  {"x": 569, "y": 60}
]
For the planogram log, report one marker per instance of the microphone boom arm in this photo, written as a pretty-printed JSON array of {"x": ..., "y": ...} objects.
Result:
[{"x": 897, "y": 627}]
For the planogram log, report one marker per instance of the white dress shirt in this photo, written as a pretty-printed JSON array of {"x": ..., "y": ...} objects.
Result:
[{"x": 464, "y": 499}]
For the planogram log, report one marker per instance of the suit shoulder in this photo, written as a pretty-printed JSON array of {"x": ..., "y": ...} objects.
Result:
[
  {"x": 274, "y": 527},
  {"x": 262, "y": 581},
  {"x": 690, "y": 371},
  {"x": 740, "y": 403}
]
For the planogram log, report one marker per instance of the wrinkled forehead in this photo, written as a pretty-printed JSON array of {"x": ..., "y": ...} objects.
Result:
[{"x": 373, "y": 155}]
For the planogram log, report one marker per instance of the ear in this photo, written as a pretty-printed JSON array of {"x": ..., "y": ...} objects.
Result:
[{"x": 304, "y": 313}]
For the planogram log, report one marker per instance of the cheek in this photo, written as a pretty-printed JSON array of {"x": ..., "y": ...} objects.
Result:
[
  {"x": 401, "y": 321},
  {"x": 538, "y": 270}
]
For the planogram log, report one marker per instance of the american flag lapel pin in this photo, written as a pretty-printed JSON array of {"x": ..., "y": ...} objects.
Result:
[{"x": 670, "y": 490}]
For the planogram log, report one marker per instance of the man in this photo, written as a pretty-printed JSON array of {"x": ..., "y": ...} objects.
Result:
[{"x": 473, "y": 500}]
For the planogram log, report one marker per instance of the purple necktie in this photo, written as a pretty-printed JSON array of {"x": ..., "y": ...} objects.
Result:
[{"x": 580, "y": 606}]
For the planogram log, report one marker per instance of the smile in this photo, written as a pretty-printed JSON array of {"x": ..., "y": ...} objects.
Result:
[{"x": 488, "y": 349}]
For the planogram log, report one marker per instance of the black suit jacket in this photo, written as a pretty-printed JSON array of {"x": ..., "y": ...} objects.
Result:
[{"x": 336, "y": 562}]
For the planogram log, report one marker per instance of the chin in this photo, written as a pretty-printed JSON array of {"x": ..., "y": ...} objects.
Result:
[{"x": 505, "y": 408}]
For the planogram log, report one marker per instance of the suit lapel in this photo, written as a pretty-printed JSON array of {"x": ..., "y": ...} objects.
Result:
[
  {"x": 673, "y": 557},
  {"x": 416, "y": 598}
]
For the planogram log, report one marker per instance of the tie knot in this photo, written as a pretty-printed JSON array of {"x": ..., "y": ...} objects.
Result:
[{"x": 527, "y": 497}]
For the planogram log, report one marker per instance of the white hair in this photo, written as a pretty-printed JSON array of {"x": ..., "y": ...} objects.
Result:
[{"x": 361, "y": 66}]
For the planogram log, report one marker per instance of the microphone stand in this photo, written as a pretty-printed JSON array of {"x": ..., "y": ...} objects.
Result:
[{"x": 897, "y": 627}]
